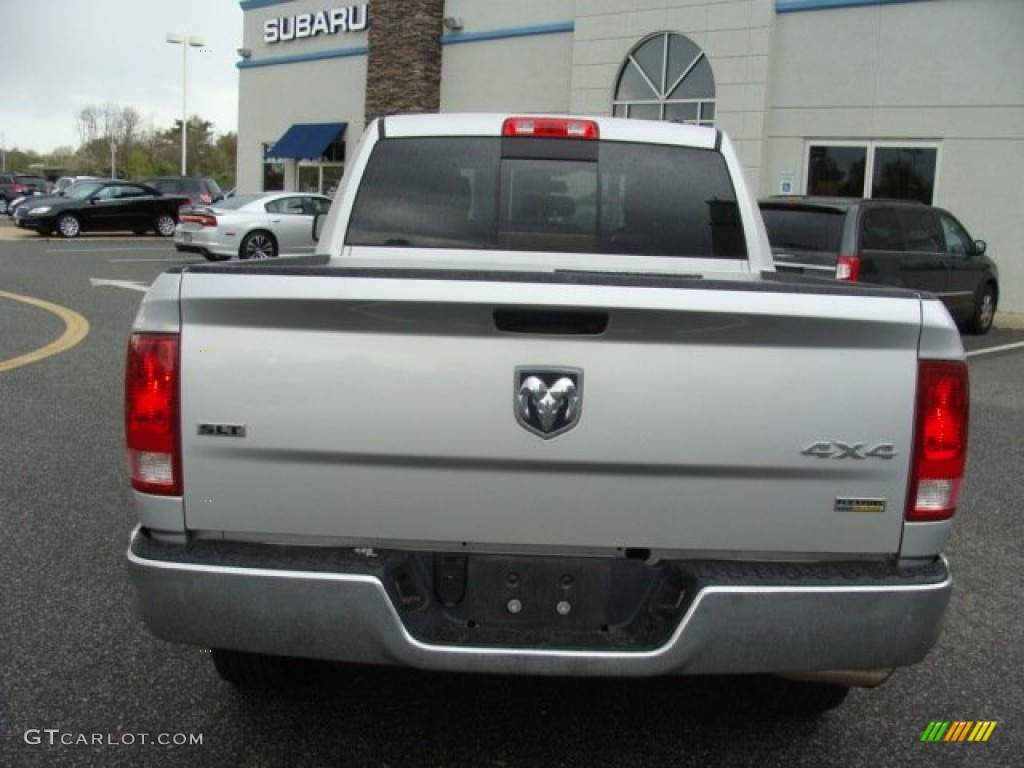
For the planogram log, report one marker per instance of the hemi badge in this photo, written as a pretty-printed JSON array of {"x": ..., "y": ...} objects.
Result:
[
  {"x": 860, "y": 505},
  {"x": 222, "y": 430}
]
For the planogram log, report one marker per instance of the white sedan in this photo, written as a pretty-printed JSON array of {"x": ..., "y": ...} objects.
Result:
[{"x": 259, "y": 226}]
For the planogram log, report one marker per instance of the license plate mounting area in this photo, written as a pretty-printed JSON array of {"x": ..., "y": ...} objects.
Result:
[{"x": 538, "y": 592}]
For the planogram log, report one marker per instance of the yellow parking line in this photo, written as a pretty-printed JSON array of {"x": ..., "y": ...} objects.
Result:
[{"x": 76, "y": 328}]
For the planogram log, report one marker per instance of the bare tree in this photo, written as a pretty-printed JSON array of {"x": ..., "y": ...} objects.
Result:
[
  {"x": 88, "y": 125},
  {"x": 131, "y": 126},
  {"x": 111, "y": 116}
]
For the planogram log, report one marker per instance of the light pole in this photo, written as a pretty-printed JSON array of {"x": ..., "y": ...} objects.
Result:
[{"x": 184, "y": 41}]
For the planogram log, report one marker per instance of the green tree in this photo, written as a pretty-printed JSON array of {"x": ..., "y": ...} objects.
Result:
[
  {"x": 20, "y": 160},
  {"x": 199, "y": 142},
  {"x": 225, "y": 151},
  {"x": 137, "y": 163}
]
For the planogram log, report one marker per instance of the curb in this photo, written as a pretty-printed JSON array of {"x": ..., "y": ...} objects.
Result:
[
  {"x": 1008, "y": 321},
  {"x": 11, "y": 233},
  {"x": 16, "y": 233}
]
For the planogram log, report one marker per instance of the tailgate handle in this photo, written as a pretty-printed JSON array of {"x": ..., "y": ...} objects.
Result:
[{"x": 551, "y": 321}]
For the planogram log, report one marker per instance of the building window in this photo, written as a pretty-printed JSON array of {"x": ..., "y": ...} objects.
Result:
[
  {"x": 322, "y": 178},
  {"x": 335, "y": 152},
  {"x": 273, "y": 171},
  {"x": 666, "y": 77},
  {"x": 899, "y": 170}
]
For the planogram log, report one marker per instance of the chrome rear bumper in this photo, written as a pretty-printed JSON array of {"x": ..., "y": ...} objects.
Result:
[{"x": 727, "y": 628}]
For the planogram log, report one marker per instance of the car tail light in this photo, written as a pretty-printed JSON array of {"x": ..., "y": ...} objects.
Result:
[
  {"x": 550, "y": 128},
  {"x": 203, "y": 219},
  {"x": 20, "y": 188},
  {"x": 940, "y": 441},
  {"x": 848, "y": 268},
  {"x": 151, "y": 424}
]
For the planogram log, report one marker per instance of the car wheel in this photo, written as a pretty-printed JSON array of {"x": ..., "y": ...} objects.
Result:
[
  {"x": 68, "y": 225},
  {"x": 984, "y": 310},
  {"x": 249, "y": 670},
  {"x": 258, "y": 245},
  {"x": 802, "y": 698},
  {"x": 165, "y": 225}
]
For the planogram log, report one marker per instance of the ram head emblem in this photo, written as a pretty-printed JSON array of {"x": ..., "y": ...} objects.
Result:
[{"x": 548, "y": 401}]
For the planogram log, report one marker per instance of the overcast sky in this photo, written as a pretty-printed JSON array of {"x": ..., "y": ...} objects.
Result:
[{"x": 59, "y": 56}]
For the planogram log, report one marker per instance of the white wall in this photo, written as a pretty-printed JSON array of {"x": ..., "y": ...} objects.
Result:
[
  {"x": 734, "y": 34},
  {"x": 529, "y": 74},
  {"x": 948, "y": 71},
  {"x": 485, "y": 15},
  {"x": 273, "y": 98}
]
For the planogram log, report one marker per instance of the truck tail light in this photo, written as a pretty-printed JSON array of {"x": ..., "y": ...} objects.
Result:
[
  {"x": 848, "y": 268},
  {"x": 550, "y": 128},
  {"x": 940, "y": 441},
  {"x": 151, "y": 418}
]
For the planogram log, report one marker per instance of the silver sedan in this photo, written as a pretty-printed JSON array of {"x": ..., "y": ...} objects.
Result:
[{"x": 258, "y": 226}]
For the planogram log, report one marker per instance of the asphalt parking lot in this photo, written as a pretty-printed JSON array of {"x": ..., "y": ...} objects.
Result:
[{"x": 77, "y": 663}]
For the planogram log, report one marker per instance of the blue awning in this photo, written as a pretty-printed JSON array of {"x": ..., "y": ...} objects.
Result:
[{"x": 306, "y": 141}]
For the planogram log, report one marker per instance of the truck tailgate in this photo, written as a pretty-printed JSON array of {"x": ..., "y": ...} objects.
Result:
[{"x": 383, "y": 410}]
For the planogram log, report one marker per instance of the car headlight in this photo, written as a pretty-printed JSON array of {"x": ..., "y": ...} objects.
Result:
[{"x": 38, "y": 211}]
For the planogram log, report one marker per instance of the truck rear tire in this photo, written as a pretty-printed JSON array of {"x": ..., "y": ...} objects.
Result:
[
  {"x": 801, "y": 698},
  {"x": 249, "y": 670}
]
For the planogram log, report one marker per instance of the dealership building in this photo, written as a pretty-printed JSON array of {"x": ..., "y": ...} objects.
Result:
[{"x": 920, "y": 99}]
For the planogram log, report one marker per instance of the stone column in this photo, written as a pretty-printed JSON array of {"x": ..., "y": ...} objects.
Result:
[{"x": 404, "y": 61}]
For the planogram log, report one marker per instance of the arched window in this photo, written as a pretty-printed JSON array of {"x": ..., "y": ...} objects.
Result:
[{"x": 666, "y": 77}]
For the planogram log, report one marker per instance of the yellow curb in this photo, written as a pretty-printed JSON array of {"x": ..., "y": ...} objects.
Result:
[
  {"x": 13, "y": 233},
  {"x": 16, "y": 233},
  {"x": 1009, "y": 321},
  {"x": 76, "y": 328}
]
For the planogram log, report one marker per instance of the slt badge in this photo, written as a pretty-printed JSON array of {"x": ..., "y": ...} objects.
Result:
[{"x": 548, "y": 401}]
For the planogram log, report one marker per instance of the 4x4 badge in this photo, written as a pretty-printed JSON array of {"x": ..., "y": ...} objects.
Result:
[
  {"x": 834, "y": 449},
  {"x": 548, "y": 401}
]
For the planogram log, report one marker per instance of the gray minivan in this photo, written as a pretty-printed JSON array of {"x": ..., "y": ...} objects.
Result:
[{"x": 892, "y": 242}]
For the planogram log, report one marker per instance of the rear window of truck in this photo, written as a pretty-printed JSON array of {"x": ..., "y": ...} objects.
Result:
[{"x": 551, "y": 195}]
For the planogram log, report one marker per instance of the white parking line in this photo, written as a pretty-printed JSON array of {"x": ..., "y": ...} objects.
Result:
[
  {"x": 177, "y": 260},
  {"x": 132, "y": 285},
  {"x": 102, "y": 250},
  {"x": 993, "y": 350}
]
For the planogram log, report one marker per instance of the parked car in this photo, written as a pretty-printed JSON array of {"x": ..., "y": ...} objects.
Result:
[
  {"x": 12, "y": 205},
  {"x": 66, "y": 181},
  {"x": 256, "y": 226},
  {"x": 15, "y": 185},
  {"x": 16, "y": 208},
  {"x": 103, "y": 205},
  {"x": 198, "y": 189},
  {"x": 893, "y": 242}
]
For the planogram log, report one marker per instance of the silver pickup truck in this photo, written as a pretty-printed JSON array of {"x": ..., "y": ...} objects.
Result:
[{"x": 542, "y": 406}]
